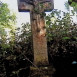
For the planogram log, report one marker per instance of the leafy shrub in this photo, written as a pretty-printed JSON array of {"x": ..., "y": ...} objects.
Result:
[{"x": 60, "y": 32}]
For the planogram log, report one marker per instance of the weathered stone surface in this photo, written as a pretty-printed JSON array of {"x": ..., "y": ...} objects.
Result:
[
  {"x": 26, "y": 5},
  {"x": 47, "y": 71},
  {"x": 39, "y": 40}
]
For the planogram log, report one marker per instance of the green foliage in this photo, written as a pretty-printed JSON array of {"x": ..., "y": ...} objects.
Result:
[
  {"x": 59, "y": 28},
  {"x": 73, "y": 4},
  {"x": 23, "y": 34},
  {"x": 65, "y": 38},
  {"x": 6, "y": 18},
  {"x": 7, "y": 21},
  {"x": 61, "y": 33},
  {"x": 67, "y": 6}
]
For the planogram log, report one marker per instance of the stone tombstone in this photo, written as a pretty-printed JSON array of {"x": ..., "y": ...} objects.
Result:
[{"x": 36, "y": 8}]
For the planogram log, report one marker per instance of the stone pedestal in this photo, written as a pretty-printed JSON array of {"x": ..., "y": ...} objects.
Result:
[{"x": 46, "y": 71}]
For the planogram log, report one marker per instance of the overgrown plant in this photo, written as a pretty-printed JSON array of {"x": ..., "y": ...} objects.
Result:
[
  {"x": 60, "y": 27},
  {"x": 7, "y": 22},
  {"x": 61, "y": 33}
]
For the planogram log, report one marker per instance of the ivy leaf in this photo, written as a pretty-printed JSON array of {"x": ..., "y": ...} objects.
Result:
[
  {"x": 48, "y": 22},
  {"x": 65, "y": 38}
]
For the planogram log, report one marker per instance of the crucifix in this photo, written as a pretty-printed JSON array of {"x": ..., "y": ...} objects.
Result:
[{"x": 37, "y": 9}]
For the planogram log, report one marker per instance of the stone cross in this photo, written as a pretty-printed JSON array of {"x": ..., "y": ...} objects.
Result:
[{"x": 37, "y": 9}]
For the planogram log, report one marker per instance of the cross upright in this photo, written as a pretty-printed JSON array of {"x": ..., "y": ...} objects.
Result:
[{"x": 37, "y": 9}]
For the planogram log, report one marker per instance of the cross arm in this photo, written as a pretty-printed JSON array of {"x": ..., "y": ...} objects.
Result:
[
  {"x": 41, "y": 5},
  {"x": 24, "y": 5}
]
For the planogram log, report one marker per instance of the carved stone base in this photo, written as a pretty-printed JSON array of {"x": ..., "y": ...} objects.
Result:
[{"x": 47, "y": 71}]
